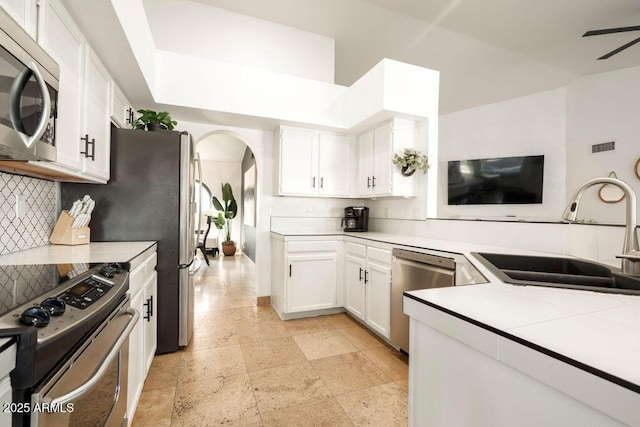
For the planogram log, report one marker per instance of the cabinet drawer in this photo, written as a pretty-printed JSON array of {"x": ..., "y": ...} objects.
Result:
[
  {"x": 380, "y": 255},
  {"x": 136, "y": 279},
  {"x": 356, "y": 249},
  {"x": 150, "y": 263},
  {"x": 313, "y": 246}
]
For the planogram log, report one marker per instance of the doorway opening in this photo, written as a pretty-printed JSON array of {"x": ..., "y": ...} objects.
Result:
[{"x": 225, "y": 158}]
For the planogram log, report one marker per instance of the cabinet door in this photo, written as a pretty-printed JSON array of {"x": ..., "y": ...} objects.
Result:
[
  {"x": 136, "y": 375},
  {"x": 121, "y": 110},
  {"x": 334, "y": 160},
  {"x": 378, "y": 298},
  {"x": 5, "y": 401},
  {"x": 365, "y": 164},
  {"x": 96, "y": 117},
  {"x": 150, "y": 321},
  {"x": 63, "y": 41},
  {"x": 311, "y": 282},
  {"x": 24, "y": 12},
  {"x": 355, "y": 289},
  {"x": 382, "y": 159},
  {"x": 298, "y": 171}
]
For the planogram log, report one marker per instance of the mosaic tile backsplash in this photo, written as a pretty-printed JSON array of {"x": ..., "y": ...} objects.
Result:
[{"x": 38, "y": 218}]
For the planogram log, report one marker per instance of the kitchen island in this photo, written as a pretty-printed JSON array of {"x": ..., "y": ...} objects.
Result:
[{"x": 502, "y": 355}]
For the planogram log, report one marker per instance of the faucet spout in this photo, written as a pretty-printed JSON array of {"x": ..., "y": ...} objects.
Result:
[{"x": 630, "y": 249}]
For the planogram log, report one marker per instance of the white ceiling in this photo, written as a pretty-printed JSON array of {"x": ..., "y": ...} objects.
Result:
[{"x": 486, "y": 51}]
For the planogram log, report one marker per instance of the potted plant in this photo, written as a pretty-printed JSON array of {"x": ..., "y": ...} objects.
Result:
[
  {"x": 411, "y": 161},
  {"x": 151, "y": 120},
  {"x": 226, "y": 213}
]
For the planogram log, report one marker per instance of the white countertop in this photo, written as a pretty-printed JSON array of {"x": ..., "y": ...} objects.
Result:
[
  {"x": 90, "y": 253},
  {"x": 597, "y": 329},
  {"x": 601, "y": 330}
]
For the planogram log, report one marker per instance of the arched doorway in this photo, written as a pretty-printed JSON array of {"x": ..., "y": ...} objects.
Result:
[{"x": 226, "y": 158}]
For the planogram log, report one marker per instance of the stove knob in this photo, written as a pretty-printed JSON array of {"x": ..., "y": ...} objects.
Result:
[
  {"x": 35, "y": 316},
  {"x": 54, "y": 306}
]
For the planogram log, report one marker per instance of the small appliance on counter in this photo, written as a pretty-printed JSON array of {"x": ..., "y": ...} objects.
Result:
[{"x": 356, "y": 218}]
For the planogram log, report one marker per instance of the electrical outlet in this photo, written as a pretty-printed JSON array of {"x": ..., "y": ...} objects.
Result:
[{"x": 20, "y": 206}]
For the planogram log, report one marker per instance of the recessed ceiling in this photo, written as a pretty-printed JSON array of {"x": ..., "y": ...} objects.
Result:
[{"x": 486, "y": 51}]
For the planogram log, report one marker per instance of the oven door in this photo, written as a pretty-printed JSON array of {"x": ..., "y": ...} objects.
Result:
[{"x": 91, "y": 388}]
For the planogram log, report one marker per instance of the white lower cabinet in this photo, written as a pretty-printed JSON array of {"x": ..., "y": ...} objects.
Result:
[
  {"x": 305, "y": 275},
  {"x": 142, "y": 341},
  {"x": 7, "y": 364},
  {"x": 368, "y": 285}
]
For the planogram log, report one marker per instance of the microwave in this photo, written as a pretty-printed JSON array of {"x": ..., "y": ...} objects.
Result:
[{"x": 29, "y": 82}]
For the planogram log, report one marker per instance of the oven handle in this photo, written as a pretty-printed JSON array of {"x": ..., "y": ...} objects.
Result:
[{"x": 104, "y": 366}]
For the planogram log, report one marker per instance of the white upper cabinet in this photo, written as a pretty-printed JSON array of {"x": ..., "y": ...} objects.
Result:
[
  {"x": 298, "y": 163},
  {"x": 334, "y": 164},
  {"x": 313, "y": 163},
  {"x": 64, "y": 42},
  {"x": 96, "y": 130},
  {"x": 122, "y": 113},
  {"x": 377, "y": 175},
  {"x": 24, "y": 12},
  {"x": 84, "y": 101}
]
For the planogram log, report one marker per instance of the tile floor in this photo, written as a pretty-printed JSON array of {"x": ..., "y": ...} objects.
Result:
[{"x": 245, "y": 366}]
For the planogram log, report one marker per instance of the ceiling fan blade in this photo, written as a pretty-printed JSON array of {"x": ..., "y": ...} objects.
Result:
[
  {"x": 610, "y": 31},
  {"x": 620, "y": 49}
]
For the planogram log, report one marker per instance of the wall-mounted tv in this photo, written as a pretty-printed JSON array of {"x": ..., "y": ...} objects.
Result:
[{"x": 503, "y": 180}]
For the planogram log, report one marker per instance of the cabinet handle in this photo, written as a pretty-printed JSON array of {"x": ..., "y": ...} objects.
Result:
[
  {"x": 374, "y": 182},
  {"x": 321, "y": 182},
  {"x": 289, "y": 270},
  {"x": 314, "y": 182},
  {"x": 366, "y": 277},
  {"x": 360, "y": 278},
  {"x": 88, "y": 143},
  {"x": 128, "y": 118},
  {"x": 149, "y": 307},
  {"x": 368, "y": 182}
]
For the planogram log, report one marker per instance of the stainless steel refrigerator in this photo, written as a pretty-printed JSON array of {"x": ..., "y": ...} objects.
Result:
[{"x": 151, "y": 196}]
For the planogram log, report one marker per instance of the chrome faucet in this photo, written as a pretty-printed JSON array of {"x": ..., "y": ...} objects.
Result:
[{"x": 630, "y": 251}]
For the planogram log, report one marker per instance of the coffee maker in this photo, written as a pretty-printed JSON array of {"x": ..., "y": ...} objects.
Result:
[{"x": 356, "y": 218}]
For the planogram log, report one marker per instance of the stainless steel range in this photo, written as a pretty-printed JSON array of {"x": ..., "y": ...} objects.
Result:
[{"x": 71, "y": 324}]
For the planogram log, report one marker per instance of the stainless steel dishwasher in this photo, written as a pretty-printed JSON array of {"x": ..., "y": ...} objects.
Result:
[{"x": 412, "y": 271}]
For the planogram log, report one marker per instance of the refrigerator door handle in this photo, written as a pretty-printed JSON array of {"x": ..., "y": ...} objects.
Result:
[{"x": 199, "y": 179}]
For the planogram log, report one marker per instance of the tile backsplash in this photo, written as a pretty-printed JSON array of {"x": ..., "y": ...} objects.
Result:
[{"x": 37, "y": 216}]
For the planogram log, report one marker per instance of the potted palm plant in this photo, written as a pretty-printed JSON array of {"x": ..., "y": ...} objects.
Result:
[
  {"x": 226, "y": 213},
  {"x": 153, "y": 121}
]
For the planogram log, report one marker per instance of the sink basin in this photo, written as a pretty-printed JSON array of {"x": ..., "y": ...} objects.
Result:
[{"x": 559, "y": 272}]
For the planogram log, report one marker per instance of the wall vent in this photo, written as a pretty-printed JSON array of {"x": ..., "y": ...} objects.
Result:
[{"x": 605, "y": 146}]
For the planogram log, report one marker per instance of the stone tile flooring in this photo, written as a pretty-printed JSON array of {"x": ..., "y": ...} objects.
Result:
[{"x": 245, "y": 366}]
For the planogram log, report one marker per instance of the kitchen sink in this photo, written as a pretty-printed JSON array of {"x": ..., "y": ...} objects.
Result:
[{"x": 560, "y": 272}]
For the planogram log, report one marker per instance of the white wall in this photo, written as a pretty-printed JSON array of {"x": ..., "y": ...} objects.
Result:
[
  {"x": 227, "y": 36},
  {"x": 530, "y": 125},
  {"x": 285, "y": 211},
  {"x": 601, "y": 108},
  {"x": 214, "y": 174}
]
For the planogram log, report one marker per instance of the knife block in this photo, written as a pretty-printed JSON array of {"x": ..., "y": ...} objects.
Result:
[{"x": 63, "y": 234}]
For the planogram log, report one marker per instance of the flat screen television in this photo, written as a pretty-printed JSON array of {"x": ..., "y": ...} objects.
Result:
[{"x": 503, "y": 180}]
